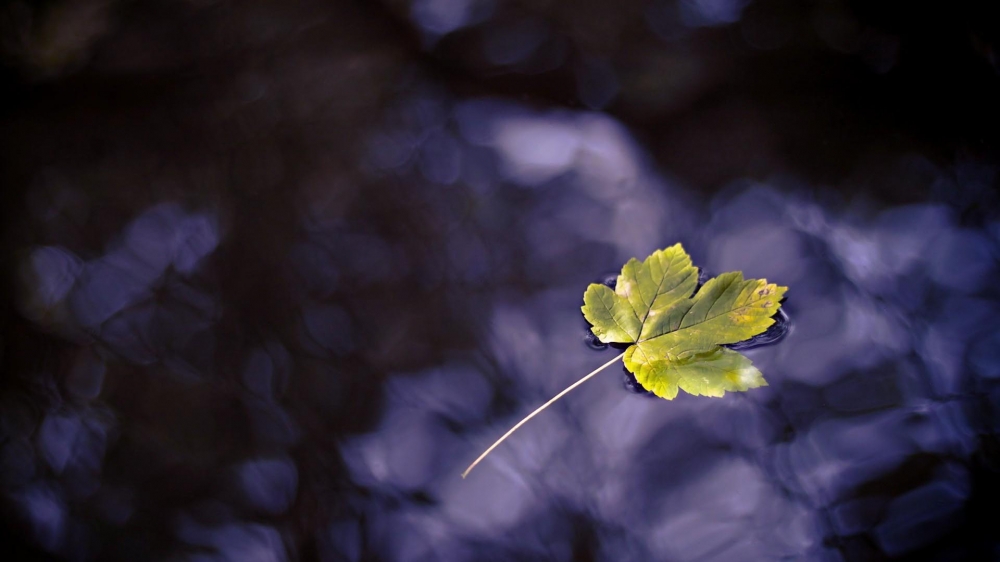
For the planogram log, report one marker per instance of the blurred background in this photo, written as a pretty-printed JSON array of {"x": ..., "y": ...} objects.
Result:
[{"x": 276, "y": 272}]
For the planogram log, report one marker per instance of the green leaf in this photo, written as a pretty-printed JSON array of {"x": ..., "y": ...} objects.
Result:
[
  {"x": 675, "y": 333},
  {"x": 676, "y": 337}
]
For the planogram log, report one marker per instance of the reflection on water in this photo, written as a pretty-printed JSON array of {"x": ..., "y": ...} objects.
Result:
[
  {"x": 282, "y": 351},
  {"x": 866, "y": 433}
]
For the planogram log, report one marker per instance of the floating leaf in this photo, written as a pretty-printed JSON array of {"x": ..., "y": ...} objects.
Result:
[
  {"x": 676, "y": 334},
  {"x": 676, "y": 337}
]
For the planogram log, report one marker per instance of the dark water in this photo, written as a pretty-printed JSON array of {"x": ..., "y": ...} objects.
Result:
[{"x": 276, "y": 274}]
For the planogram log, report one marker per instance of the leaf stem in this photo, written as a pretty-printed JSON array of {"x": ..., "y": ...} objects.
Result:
[{"x": 537, "y": 411}]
